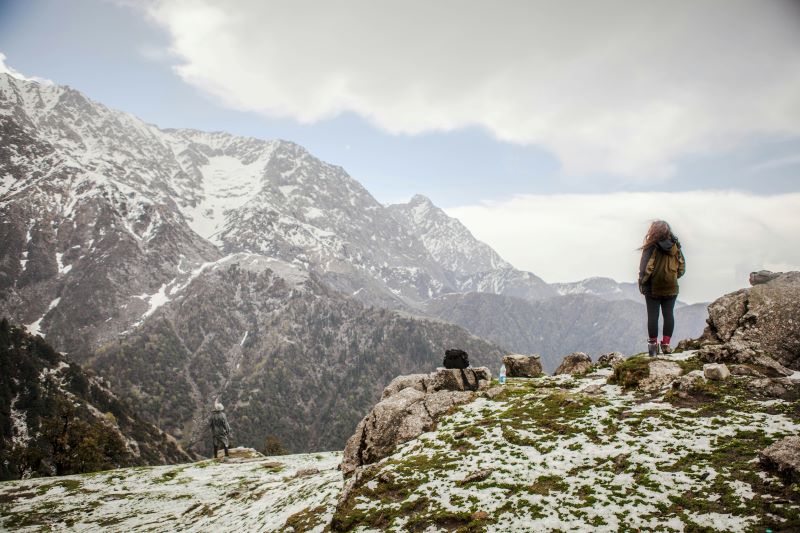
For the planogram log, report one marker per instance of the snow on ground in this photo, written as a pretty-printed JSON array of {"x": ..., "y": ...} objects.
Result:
[
  {"x": 558, "y": 459},
  {"x": 254, "y": 495},
  {"x": 554, "y": 454}
]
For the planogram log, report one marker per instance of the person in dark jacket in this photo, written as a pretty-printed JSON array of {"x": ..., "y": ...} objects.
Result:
[
  {"x": 661, "y": 265},
  {"x": 220, "y": 430}
]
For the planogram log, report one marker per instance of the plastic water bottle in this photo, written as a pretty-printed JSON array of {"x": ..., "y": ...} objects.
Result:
[{"x": 502, "y": 377}]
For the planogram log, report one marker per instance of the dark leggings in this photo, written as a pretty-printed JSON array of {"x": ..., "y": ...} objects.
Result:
[{"x": 667, "y": 305}]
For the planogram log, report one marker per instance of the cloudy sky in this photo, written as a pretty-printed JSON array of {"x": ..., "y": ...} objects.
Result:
[{"x": 554, "y": 130}]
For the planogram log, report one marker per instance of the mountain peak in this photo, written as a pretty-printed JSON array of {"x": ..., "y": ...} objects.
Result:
[
  {"x": 420, "y": 199},
  {"x": 446, "y": 238}
]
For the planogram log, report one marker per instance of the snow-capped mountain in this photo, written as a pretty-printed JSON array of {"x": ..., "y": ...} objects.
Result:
[
  {"x": 447, "y": 239},
  {"x": 605, "y": 288},
  {"x": 474, "y": 266},
  {"x": 81, "y": 180}
]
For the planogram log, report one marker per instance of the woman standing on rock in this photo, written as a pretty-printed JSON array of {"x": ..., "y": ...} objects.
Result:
[{"x": 661, "y": 265}]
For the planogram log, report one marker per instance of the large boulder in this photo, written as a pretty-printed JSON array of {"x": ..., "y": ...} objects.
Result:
[
  {"x": 523, "y": 366},
  {"x": 764, "y": 318},
  {"x": 411, "y": 405},
  {"x": 574, "y": 363},
  {"x": 783, "y": 457}
]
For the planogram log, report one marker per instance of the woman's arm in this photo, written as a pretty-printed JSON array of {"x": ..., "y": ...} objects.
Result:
[{"x": 646, "y": 266}]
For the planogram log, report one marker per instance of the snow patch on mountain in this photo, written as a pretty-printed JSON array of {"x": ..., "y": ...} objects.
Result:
[
  {"x": 227, "y": 184},
  {"x": 34, "y": 328}
]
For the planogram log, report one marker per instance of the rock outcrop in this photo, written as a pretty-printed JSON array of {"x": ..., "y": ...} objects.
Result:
[
  {"x": 783, "y": 457},
  {"x": 737, "y": 351},
  {"x": 523, "y": 366},
  {"x": 760, "y": 322},
  {"x": 410, "y": 406},
  {"x": 574, "y": 363}
]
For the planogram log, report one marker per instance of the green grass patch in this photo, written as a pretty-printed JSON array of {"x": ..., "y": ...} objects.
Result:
[
  {"x": 71, "y": 485},
  {"x": 544, "y": 485},
  {"x": 630, "y": 372}
]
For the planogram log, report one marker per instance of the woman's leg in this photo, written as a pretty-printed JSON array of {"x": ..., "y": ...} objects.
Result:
[
  {"x": 652, "y": 317},
  {"x": 668, "y": 310}
]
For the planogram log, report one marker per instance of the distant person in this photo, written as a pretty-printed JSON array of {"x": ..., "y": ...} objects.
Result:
[
  {"x": 661, "y": 265},
  {"x": 220, "y": 430}
]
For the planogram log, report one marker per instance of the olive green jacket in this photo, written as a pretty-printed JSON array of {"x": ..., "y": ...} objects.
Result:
[{"x": 660, "y": 267}]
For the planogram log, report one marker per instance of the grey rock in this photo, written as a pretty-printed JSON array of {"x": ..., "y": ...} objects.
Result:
[
  {"x": 783, "y": 388},
  {"x": 574, "y": 363},
  {"x": 418, "y": 382},
  {"x": 716, "y": 371},
  {"x": 494, "y": 392},
  {"x": 743, "y": 352},
  {"x": 661, "y": 374},
  {"x": 478, "y": 475},
  {"x": 745, "y": 370},
  {"x": 404, "y": 415},
  {"x": 452, "y": 379},
  {"x": 304, "y": 472},
  {"x": 765, "y": 318},
  {"x": 689, "y": 381},
  {"x": 596, "y": 388},
  {"x": 441, "y": 402},
  {"x": 523, "y": 366},
  {"x": 762, "y": 276},
  {"x": 783, "y": 457},
  {"x": 611, "y": 359}
]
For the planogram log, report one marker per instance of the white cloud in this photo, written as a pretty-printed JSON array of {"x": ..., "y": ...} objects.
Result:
[
  {"x": 725, "y": 235},
  {"x": 5, "y": 69},
  {"x": 624, "y": 87}
]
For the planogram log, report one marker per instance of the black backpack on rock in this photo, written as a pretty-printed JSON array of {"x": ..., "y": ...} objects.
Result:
[{"x": 455, "y": 359}]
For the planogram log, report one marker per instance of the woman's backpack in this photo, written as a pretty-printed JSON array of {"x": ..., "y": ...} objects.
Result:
[{"x": 455, "y": 359}]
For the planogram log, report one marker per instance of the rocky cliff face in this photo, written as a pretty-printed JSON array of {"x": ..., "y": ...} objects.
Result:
[
  {"x": 763, "y": 318},
  {"x": 58, "y": 419}
]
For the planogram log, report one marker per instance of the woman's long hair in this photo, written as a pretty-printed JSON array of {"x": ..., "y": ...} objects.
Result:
[{"x": 659, "y": 230}]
